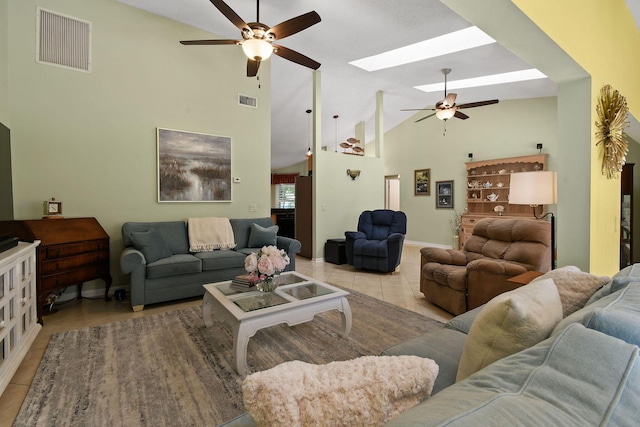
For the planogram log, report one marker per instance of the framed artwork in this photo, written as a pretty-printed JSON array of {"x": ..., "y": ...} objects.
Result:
[
  {"x": 422, "y": 182},
  {"x": 444, "y": 193},
  {"x": 193, "y": 167}
]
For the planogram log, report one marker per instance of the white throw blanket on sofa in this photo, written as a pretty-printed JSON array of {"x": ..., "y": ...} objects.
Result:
[{"x": 208, "y": 234}]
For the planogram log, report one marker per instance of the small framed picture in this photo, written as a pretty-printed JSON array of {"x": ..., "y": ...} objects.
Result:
[
  {"x": 444, "y": 193},
  {"x": 422, "y": 182}
]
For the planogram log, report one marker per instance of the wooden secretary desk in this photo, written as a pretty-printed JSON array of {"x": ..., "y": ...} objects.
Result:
[{"x": 72, "y": 251}]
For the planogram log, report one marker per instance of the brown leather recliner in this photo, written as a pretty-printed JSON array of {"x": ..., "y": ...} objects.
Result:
[{"x": 499, "y": 248}]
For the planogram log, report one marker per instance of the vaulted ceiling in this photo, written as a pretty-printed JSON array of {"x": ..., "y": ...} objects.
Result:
[{"x": 352, "y": 30}]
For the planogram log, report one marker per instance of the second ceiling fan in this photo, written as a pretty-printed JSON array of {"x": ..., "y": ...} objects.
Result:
[
  {"x": 257, "y": 38},
  {"x": 448, "y": 108}
]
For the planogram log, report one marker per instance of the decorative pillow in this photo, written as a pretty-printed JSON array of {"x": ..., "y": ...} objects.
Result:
[
  {"x": 151, "y": 244},
  {"x": 574, "y": 286},
  {"x": 509, "y": 323},
  {"x": 260, "y": 236},
  {"x": 369, "y": 391}
]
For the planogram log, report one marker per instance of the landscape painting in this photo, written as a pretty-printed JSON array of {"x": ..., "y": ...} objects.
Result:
[{"x": 193, "y": 167}]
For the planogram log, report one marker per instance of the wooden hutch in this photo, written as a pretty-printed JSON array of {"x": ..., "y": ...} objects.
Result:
[{"x": 488, "y": 187}]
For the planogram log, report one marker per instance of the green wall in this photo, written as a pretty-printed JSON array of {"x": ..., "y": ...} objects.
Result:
[
  {"x": 510, "y": 128},
  {"x": 4, "y": 62},
  {"x": 89, "y": 139}
]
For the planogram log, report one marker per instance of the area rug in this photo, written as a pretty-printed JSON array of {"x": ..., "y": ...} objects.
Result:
[{"x": 169, "y": 369}]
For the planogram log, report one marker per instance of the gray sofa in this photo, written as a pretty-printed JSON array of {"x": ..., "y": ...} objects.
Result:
[
  {"x": 178, "y": 273},
  {"x": 586, "y": 373}
]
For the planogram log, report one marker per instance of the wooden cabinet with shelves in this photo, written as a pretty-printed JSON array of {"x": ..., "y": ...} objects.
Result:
[{"x": 488, "y": 187}]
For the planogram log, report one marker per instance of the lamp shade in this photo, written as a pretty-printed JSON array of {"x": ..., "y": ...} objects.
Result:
[
  {"x": 533, "y": 188},
  {"x": 257, "y": 49}
]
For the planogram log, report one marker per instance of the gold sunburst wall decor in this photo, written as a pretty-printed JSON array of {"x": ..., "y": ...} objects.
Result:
[{"x": 612, "y": 119}]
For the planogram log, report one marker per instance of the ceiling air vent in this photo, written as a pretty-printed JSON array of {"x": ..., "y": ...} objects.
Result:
[
  {"x": 63, "y": 41},
  {"x": 247, "y": 101}
]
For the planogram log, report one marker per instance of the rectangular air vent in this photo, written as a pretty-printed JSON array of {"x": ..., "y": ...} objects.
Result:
[
  {"x": 63, "y": 41},
  {"x": 247, "y": 101}
]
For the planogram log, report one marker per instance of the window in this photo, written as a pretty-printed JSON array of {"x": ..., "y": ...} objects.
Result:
[{"x": 286, "y": 196}]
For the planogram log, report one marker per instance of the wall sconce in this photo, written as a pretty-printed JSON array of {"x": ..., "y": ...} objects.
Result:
[{"x": 353, "y": 173}]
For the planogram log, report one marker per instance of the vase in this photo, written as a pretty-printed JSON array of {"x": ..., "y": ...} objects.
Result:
[
  {"x": 268, "y": 284},
  {"x": 456, "y": 242}
]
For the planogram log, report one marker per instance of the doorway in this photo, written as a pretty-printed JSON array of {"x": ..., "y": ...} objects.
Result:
[{"x": 392, "y": 192}]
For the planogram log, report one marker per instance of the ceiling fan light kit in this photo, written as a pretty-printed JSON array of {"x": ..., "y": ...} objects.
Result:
[
  {"x": 257, "y": 49},
  {"x": 447, "y": 108},
  {"x": 257, "y": 38}
]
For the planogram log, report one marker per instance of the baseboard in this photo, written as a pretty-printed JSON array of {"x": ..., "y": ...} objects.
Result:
[{"x": 426, "y": 244}]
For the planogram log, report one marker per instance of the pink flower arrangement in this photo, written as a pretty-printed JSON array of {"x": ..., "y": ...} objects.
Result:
[{"x": 267, "y": 261}]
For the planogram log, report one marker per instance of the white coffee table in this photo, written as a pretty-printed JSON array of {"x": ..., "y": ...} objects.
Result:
[{"x": 297, "y": 300}]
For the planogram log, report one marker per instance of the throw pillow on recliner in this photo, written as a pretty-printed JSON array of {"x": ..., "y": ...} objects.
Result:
[
  {"x": 151, "y": 244},
  {"x": 260, "y": 236}
]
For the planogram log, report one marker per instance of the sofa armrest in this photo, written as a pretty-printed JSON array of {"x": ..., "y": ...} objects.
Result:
[
  {"x": 130, "y": 259},
  {"x": 443, "y": 256},
  {"x": 487, "y": 278},
  {"x": 354, "y": 235},
  {"x": 291, "y": 247},
  {"x": 395, "y": 237}
]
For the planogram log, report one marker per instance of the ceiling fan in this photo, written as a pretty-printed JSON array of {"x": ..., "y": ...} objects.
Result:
[
  {"x": 257, "y": 38},
  {"x": 447, "y": 108}
]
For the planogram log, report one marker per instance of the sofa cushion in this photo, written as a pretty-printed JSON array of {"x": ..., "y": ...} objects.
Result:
[
  {"x": 620, "y": 280},
  {"x": 371, "y": 248},
  {"x": 242, "y": 229},
  {"x": 452, "y": 276},
  {"x": 174, "y": 266},
  {"x": 580, "y": 378},
  {"x": 174, "y": 234},
  {"x": 219, "y": 260},
  {"x": 617, "y": 314},
  {"x": 574, "y": 286},
  {"x": 443, "y": 346},
  {"x": 509, "y": 323},
  {"x": 369, "y": 391},
  {"x": 262, "y": 236},
  {"x": 464, "y": 321},
  {"x": 151, "y": 244}
]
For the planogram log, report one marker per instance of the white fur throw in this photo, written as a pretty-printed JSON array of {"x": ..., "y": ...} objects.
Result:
[
  {"x": 367, "y": 391},
  {"x": 574, "y": 286},
  {"x": 509, "y": 323}
]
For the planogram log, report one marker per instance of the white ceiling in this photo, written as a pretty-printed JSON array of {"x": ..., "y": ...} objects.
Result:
[{"x": 352, "y": 30}]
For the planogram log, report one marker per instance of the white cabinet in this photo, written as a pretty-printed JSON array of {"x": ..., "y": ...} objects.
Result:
[{"x": 18, "y": 307}]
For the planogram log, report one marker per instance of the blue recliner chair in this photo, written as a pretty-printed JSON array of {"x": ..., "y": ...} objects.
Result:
[{"x": 377, "y": 245}]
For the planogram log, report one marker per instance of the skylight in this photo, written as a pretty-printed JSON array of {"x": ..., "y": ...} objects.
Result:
[
  {"x": 494, "y": 79},
  {"x": 442, "y": 45}
]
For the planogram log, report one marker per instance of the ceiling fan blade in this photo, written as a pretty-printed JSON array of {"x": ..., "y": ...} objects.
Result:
[
  {"x": 460, "y": 115},
  {"x": 252, "y": 67},
  {"x": 296, "y": 57},
  {"x": 449, "y": 100},
  {"x": 202, "y": 42},
  {"x": 478, "y": 104},
  {"x": 294, "y": 25},
  {"x": 430, "y": 115},
  {"x": 418, "y": 109},
  {"x": 230, "y": 14}
]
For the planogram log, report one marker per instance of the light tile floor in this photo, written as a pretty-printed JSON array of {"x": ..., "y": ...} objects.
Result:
[{"x": 401, "y": 288}]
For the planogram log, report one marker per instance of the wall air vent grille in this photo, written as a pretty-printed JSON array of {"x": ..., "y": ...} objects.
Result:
[
  {"x": 247, "y": 101},
  {"x": 63, "y": 41}
]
